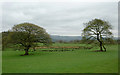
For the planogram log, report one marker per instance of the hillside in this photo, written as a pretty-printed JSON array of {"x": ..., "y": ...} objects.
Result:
[{"x": 65, "y": 38}]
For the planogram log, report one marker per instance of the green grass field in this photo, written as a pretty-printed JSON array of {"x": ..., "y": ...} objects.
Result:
[
  {"x": 0, "y": 62},
  {"x": 78, "y": 61}
]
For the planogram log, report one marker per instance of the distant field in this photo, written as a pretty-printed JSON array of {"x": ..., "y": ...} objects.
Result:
[
  {"x": 56, "y": 45},
  {"x": 78, "y": 61},
  {"x": 65, "y": 44}
]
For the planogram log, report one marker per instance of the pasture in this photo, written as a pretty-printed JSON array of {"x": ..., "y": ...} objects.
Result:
[
  {"x": 0, "y": 62},
  {"x": 77, "y": 61}
]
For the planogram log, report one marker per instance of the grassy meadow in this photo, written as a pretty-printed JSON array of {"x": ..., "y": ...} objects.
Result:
[
  {"x": 0, "y": 62},
  {"x": 77, "y": 61}
]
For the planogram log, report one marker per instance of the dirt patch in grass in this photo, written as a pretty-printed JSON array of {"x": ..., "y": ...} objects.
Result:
[
  {"x": 56, "y": 50},
  {"x": 98, "y": 51}
]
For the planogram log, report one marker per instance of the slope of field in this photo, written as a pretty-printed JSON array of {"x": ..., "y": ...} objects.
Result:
[{"x": 79, "y": 61}]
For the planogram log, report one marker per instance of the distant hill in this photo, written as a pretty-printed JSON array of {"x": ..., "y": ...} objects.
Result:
[
  {"x": 68, "y": 38},
  {"x": 65, "y": 38}
]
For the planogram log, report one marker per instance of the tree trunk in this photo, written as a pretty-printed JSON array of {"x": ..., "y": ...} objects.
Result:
[
  {"x": 99, "y": 42},
  {"x": 26, "y": 51},
  {"x": 34, "y": 49},
  {"x": 101, "y": 49},
  {"x": 104, "y": 48}
]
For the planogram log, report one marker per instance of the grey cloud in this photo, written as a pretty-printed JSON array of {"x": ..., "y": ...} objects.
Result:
[{"x": 59, "y": 18}]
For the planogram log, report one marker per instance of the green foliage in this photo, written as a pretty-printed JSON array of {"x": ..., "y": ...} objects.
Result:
[
  {"x": 5, "y": 39},
  {"x": 110, "y": 41},
  {"x": 31, "y": 32}
]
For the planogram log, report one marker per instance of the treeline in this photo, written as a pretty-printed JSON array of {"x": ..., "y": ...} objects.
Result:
[{"x": 86, "y": 41}]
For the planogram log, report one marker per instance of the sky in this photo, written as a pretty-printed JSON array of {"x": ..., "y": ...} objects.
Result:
[{"x": 59, "y": 18}]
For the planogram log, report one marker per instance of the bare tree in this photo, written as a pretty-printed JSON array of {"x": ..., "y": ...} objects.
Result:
[{"x": 97, "y": 29}]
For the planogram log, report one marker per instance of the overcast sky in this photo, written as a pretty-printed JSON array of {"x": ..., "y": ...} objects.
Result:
[{"x": 59, "y": 18}]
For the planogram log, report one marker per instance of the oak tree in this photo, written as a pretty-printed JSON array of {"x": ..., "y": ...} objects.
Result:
[
  {"x": 28, "y": 34},
  {"x": 97, "y": 29}
]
